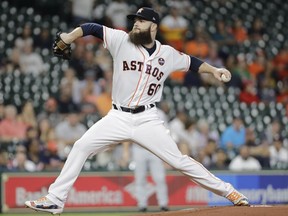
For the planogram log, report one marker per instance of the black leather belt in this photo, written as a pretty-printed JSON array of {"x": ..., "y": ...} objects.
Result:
[{"x": 135, "y": 110}]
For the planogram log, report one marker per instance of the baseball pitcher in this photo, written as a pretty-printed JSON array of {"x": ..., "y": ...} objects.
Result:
[{"x": 141, "y": 64}]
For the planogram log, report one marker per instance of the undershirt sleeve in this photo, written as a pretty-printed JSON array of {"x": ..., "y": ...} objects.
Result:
[
  {"x": 92, "y": 29},
  {"x": 195, "y": 63}
]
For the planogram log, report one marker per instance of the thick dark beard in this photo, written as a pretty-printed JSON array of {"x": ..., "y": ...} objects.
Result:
[{"x": 141, "y": 38}]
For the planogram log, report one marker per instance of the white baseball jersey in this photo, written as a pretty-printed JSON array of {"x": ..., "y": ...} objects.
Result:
[{"x": 138, "y": 79}]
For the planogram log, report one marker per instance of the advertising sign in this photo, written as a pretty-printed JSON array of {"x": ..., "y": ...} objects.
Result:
[{"x": 101, "y": 191}]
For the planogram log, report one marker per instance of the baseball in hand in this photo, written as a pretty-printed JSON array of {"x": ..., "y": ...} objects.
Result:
[{"x": 225, "y": 78}]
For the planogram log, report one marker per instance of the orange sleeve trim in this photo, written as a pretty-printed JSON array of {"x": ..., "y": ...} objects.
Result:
[
  {"x": 138, "y": 80},
  {"x": 143, "y": 89}
]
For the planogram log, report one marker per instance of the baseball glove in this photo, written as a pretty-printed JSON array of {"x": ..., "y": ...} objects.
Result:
[{"x": 60, "y": 48}]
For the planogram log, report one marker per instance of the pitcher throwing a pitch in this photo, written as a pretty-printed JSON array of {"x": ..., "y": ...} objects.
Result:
[{"x": 141, "y": 64}]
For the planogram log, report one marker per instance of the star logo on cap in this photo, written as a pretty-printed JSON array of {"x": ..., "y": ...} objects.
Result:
[{"x": 140, "y": 10}]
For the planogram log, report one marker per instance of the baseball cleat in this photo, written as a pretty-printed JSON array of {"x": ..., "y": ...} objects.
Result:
[
  {"x": 242, "y": 202},
  {"x": 44, "y": 205},
  {"x": 238, "y": 199}
]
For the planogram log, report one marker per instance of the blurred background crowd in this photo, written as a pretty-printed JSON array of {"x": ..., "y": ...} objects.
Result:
[{"x": 46, "y": 104}]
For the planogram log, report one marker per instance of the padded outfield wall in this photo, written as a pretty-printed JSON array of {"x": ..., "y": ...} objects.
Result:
[{"x": 115, "y": 191}]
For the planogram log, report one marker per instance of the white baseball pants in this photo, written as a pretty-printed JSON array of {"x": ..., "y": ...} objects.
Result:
[{"x": 145, "y": 128}]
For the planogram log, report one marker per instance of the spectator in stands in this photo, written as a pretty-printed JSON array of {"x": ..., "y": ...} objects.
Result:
[
  {"x": 244, "y": 161},
  {"x": 280, "y": 62},
  {"x": 267, "y": 84},
  {"x": 89, "y": 89},
  {"x": 10, "y": 64},
  {"x": 241, "y": 68},
  {"x": 25, "y": 38},
  {"x": 103, "y": 60},
  {"x": 2, "y": 111},
  {"x": 278, "y": 154},
  {"x": 4, "y": 159},
  {"x": 69, "y": 78},
  {"x": 249, "y": 94},
  {"x": 213, "y": 57},
  {"x": 233, "y": 137},
  {"x": 54, "y": 160},
  {"x": 173, "y": 28},
  {"x": 13, "y": 62},
  {"x": 68, "y": 131},
  {"x": 55, "y": 163},
  {"x": 158, "y": 6},
  {"x": 76, "y": 62},
  {"x": 44, "y": 127},
  {"x": 214, "y": 60},
  {"x": 251, "y": 137},
  {"x": 104, "y": 100},
  {"x": 31, "y": 133},
  {"x": 70, "y": 81},
  {"x": 206, "y": 154},
  {"x": 198, "y": 45},
  {"x": 117, "y": 11},
  {"x": 30, "y": 61},
  {"x": 44, "y": 39},
  {"x": 177, "y": 126},
  {"x": 282, "y": 95},
  {"x": 236, "y": 81},
  {"x": 11, "y": 128},
  {"x": 257, "y": 150},
  {"x": 257, "y": 30},
  {"x": 81, "y": 11},
  {"x": 271, "y": 132},
  {"x": 99, "y": 14},
  {"x": 223, "y": 36},
  {"x": 220, "y": 161},
  {"x": 51, "y": 142},
  {"x": 184, "y": 7},
  {"x": 90, "y": 64},
  {"x": 36, "y": 153},
  {"x": 239, "y": 31},
  {"x": 20, "y": 161},
  {"x": 205, "y": 133},
  {"x": 189, "y": 140},
  {"x": 65, "y": 100},
  {"x": 50, "y": 112},
  {"x": 257, "y": 65},
  {"x": 28, "y": 115}
]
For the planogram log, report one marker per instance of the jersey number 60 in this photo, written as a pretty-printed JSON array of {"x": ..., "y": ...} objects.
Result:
[{"x": 153, "y": 88}]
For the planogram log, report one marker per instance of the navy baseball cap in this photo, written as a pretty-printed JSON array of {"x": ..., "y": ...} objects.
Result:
[{"x": 146, "y": 14}]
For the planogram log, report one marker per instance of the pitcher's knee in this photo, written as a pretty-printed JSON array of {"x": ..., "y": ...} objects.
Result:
[
  {"x": 181, "y": 162},
  {"x": 80, "y": 145}
]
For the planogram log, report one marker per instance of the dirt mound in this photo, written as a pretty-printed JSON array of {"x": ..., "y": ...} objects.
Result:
[{"x": 254, "y": 210}]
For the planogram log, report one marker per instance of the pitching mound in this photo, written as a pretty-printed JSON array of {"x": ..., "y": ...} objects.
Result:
[{"x": 263, "y": 210}]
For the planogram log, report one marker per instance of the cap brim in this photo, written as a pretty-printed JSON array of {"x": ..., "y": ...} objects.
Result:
[{"x": 133, "y": 16}]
